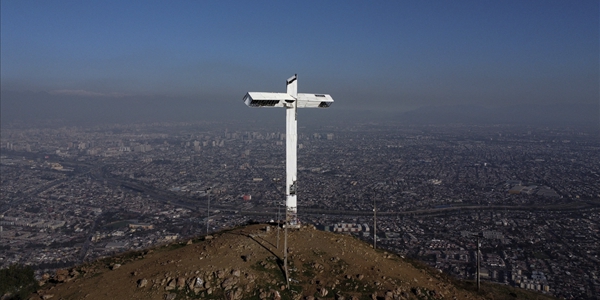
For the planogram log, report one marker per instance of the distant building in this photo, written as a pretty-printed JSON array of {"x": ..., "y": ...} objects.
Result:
[
  {"x": 350, "y": 227},
  {"x": 141, "y": 226},
  {"x": 516, "y": 189},
  {"x": 116, "y": 245},
  {"x": 142, "y": 148}
]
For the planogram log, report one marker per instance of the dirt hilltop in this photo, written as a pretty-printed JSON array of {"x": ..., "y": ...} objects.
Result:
[{"x": 245, "y": 263}]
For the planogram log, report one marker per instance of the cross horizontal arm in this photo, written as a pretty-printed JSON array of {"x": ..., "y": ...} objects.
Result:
[{"x": 260, "y": 99}]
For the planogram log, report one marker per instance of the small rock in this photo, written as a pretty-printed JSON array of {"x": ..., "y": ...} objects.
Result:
[
  {"x": 171, "y": 285},
  {"x": 61, "y": 275},
  {"x": 170, "y": 296},
  {"x": 142, "y": 282},
  {"x": 235, "y": 273},
  {"x": 229, "y": 283},
  {"x": 323, "y": 292},
  {"x": 180, "y": 282},
  {"x": 198, "y": 282},
  {"x": 116, "y": 266},
  {"x": 47, "y": 296},
  {"x": 276, "y": 295},
  {"x": 234, "y": 295},
  {"x": 389, "y": 294}
]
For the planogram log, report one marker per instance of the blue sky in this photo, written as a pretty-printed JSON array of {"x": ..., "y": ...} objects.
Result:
[{"x": 382, "y": 55}]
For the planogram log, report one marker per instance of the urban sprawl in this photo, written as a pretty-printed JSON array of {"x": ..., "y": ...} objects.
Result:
[{"x": 530, "y": 195}]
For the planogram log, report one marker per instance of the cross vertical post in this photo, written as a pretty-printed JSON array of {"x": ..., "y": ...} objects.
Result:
[{"x": 291, "y": 153}]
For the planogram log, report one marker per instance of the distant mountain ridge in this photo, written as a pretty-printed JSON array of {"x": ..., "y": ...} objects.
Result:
[{"x": 526, "y": 114}]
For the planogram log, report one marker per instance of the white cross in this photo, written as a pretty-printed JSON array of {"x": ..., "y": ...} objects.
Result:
[{"x": 291, "y": 101}]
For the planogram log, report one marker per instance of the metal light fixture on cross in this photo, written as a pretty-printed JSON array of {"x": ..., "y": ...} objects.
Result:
[{"x": 291, "y": 100}]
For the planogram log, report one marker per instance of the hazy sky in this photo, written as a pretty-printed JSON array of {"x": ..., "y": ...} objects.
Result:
[{"x": 376, "y": 55}]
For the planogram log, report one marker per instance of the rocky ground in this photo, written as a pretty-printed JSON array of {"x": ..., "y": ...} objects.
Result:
[{"x": 245, "y": 263}]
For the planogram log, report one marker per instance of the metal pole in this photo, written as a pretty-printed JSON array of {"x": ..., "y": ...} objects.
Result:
[
  {"x": 278, "y": 222},
  {"x": 208, "y": 210},
  {"x": 374, "y": 224},
  {"x": 285, "y": 254},
  {"x": 478, "y": 274}
]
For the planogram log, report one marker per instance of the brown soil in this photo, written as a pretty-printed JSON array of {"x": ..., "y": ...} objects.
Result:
[{"x": 245, "y": 263}]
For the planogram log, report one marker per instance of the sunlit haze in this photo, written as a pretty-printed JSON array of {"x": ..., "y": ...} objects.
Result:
[{"x": 190, "y": 60}]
